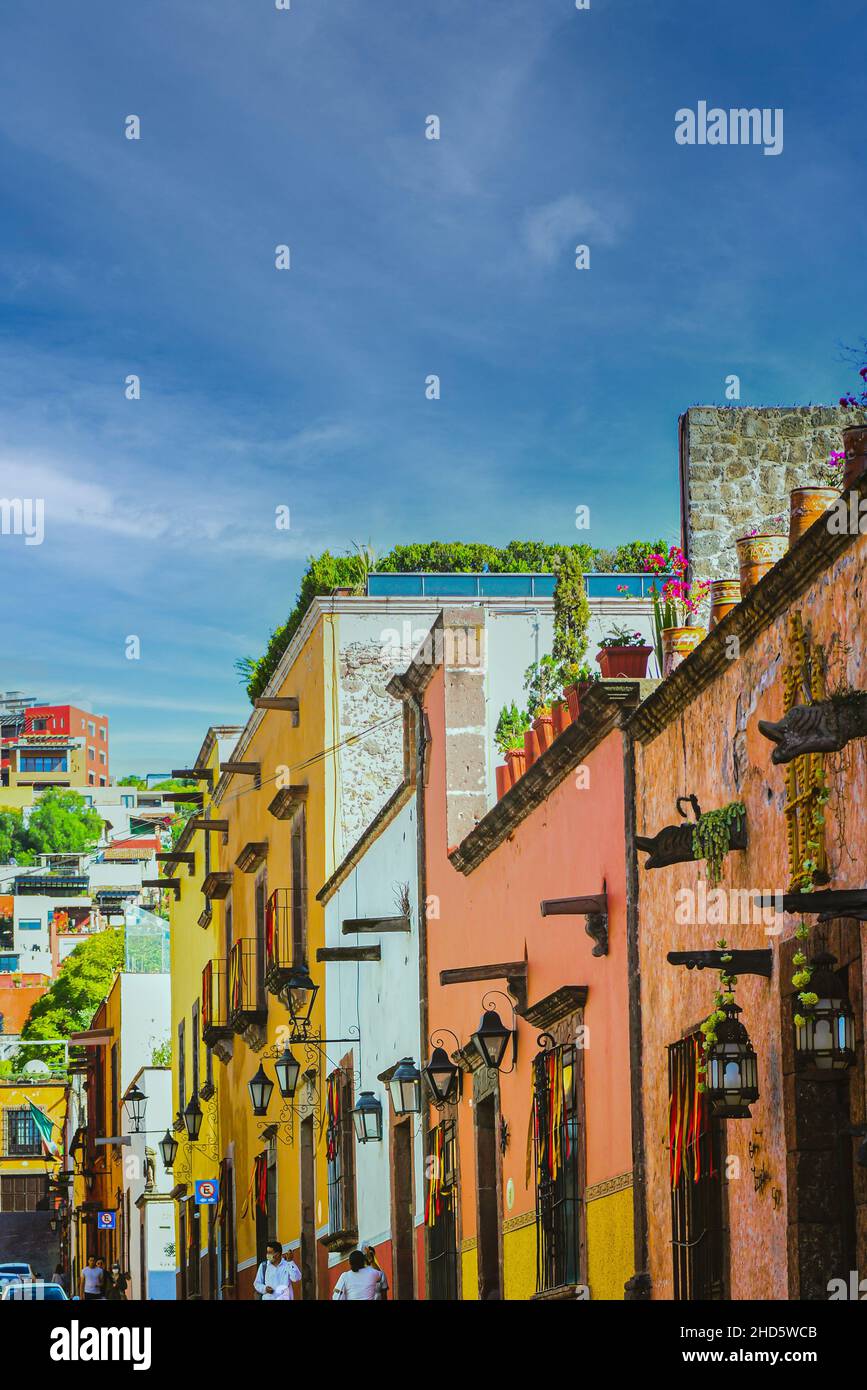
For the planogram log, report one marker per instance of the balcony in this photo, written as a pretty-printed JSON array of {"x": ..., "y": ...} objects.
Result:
[
  {"x": 215, "y": 1003},
  {"x": 246, "y": 999},
  {"x": 283, "y": 929}
]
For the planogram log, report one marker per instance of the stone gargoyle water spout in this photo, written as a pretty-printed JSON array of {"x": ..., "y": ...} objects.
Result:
[{"x": 825, "y": 727}]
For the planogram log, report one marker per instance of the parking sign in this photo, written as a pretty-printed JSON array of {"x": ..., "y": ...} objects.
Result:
[
  {"x": 106, "y": 1220},
  {"x": 207, "y": 1192}
]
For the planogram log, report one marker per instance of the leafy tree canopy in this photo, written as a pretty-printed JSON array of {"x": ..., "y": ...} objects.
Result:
[
  {"x": 61, "y": 822},
  {"x": 72, "y": 999}
]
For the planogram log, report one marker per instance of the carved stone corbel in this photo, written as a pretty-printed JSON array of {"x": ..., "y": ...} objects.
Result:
[{"x": 824, "y": 727}]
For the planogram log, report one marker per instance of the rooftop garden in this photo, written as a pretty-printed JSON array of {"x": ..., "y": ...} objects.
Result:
[{"x": 327, "y": 572}]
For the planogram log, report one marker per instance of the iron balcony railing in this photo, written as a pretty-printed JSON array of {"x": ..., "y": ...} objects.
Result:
[
  {"x": 284, "y": 937},
  {"x": 215, "y": 1002},
  {"x": 246, "y": 1000}
]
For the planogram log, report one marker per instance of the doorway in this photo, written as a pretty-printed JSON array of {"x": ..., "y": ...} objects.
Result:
[
  {"x": 308, "y": 1209},
  {"x": 487, "y": 1185},
  {"x": 402, "y": 1211}
]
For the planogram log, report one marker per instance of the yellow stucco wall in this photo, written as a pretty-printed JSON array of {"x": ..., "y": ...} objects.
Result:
[
  {"x": 519, "y": 1261},
  {"x": 470, "y": 1274},
  {"x": 610, "y": 1253},
  {"x": 278, "y": 743},
  {"x": 51, "y": 1099}
]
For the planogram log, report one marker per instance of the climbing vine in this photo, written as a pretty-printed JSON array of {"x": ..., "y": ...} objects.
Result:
[
  {"x": 725, "y": 994},
  {"x": 711, "y": 837}
]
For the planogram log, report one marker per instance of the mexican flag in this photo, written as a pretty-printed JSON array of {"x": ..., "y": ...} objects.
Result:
[{"x": 45, "y": 1128}]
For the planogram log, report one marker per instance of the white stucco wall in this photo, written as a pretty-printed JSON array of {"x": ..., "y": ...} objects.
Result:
[{"x": 381, "y": 999}]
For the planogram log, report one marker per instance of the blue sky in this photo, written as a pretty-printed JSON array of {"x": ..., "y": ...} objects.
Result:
[{"x": 409, "y": 257}]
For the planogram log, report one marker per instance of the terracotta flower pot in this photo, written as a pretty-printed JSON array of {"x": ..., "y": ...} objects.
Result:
[
  {"x": 531, "y": 747},
  {"x": 677, "y": 643},
  {"x": 806, "y": 506},
  {"x": 543, "y": 728},
  {"x": 573, "y": 702},
  {"x": 757, "y": 555},
  {"x": 725, "y": 594},
  {"x": 627, "y": 662},
  {"x": 516, "y": 763},
  {"x": 855, "y": 444},
  {"x": 561, "y": 716},
  {"x": 504, "y": 779}
]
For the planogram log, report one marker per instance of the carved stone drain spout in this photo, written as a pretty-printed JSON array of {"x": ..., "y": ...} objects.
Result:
[{"x": 825, "y": 727}]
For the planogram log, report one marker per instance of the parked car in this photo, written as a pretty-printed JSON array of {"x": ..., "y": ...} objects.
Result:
[
  {"x": 33, "y": 1291},
  {"x": 22, "y": 1270}
]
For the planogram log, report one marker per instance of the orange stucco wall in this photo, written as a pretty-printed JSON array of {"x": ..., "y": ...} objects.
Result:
[
  {"x": 698, "y": 752},
  {"x": 567, "y": 846}
]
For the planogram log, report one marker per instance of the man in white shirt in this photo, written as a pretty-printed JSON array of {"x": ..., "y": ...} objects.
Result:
[
  {"x": 360, "y": 1281},
  {"x": 276, "y": 1275}
]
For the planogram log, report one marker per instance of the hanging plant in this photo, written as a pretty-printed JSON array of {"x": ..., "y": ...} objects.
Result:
[
  {"x": 711, "y": 837},
  {"x": 725, "y": 994}
]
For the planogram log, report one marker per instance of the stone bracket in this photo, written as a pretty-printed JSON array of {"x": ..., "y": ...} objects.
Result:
[{"x": 759, "y": 962}]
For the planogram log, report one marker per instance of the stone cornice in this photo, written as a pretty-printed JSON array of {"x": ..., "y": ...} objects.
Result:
[
  {"x": 603, "y": 707},
  {"x": 814, "y": 553}
]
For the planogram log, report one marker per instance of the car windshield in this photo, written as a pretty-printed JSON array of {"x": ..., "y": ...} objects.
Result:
[
  {"x": 13, "y": 1269},
  {"x": 35, "y": 1292}
]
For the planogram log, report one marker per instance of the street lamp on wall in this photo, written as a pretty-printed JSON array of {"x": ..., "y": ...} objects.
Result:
[
  {"x": 405, "y": 1087},
  {"x": 168, "y": 1147},
  {"x": 442, "y": 1075},
  {"x": 732, "y": 1077},
  {"x": 492, "y": 1036},
  {"x": 135, "y": 1103},
  {"x": 300, "y": 993},
  {"x": 367, "y": 1118},
  {"x": 826, "y": 1038},
  {"x": 260, "y": 1087},
  {"x": 193, "y": 1118},
  {"x": 288, "y": 1070}
]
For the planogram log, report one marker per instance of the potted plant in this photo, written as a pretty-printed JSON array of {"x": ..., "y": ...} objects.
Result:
[
  {"x": 509, "y": 738},
  {"x": 725, "y": 594},
  {"x": 575, "y": 678},
  {"x": 759, "y": 550},
  {"x": 542, "y": 684},
  {"x": 571, "y": 621},
  {"x": 855, "y": 436},
  {"x": 807, "y": 504},
  {"x": 658, "y": 563},
  {"x": 678, "y": 606},
  {"x": 623, "y": 653}
]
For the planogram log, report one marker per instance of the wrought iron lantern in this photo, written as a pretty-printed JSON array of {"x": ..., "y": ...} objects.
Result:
[
  {"x": 168, "y": 1147},
  {"x": 367, "y": 1118},
  {"x": 260, "y": 1087},
  {"x": 732, "y": 1078},
  {"x": 193, "y": 1118},
  {"x": 826, "y": 1038},
  {"x": 491, "y": 1038},
  {"x": 405, "y": 1087},
  {"x": 300, "y": 993},
  {"x": 288, "y": 1070},
  {"x": 135, "y": 1102},
  {"x": 442, "y": 1076}
]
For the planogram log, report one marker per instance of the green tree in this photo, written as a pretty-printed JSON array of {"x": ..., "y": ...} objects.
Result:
[
  {"x": 61, "y": 823},
  {"x": 11, "y": 828},
  {"x": 72, "y": 999},
  {"x": 571, "y": 616}
]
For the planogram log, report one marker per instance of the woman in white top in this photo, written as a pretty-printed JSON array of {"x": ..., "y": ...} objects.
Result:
[{"x": 360, "y": 1280}]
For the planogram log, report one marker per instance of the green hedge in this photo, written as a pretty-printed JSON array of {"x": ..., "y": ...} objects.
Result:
[{"x": 326, "y": 572}]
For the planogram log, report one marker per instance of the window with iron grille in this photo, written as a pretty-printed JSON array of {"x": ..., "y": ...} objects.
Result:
[
  {"x": 558, "y": 1151},
  {"x": 20, "y": 1136},
  {"x": 340, "y": 1153},
  {"x": 697, "y": 1241},
  {"x": 441, "y": 1211}
]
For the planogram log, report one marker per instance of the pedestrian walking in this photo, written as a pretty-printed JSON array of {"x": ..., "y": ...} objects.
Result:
[
  {"x": 276, "y": 1275},
  {"x": 61, "y": 1279},
  {"x": 116, "y": 1284},
  {"x": 360, "y": 1281},
  {"x": 369, "y": 1252},
  {"x": 92, "y": 1279}
]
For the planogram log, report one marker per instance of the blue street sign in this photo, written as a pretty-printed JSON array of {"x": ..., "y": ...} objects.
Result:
[
  {"x": 207, "y": 1192},
  {"x": 106, "y": 1220}
]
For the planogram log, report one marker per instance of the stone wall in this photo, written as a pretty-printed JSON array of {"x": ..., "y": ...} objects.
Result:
[{"x": 738, "y": 465}]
